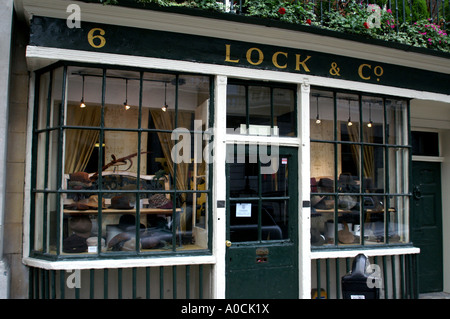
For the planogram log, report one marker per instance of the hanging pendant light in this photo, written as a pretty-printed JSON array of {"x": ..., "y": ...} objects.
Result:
[
  {"x": 82, "y": 104},
  {"x": 165, "y": 107},
  {"x": 318, "y": 120},
  {"x": 125, "y": 104},
  {"x": 349, "y": 123},
  {"x": 370, "y": 116}
]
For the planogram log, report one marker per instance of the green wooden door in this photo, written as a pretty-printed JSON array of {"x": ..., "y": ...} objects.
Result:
[
  {"x": 426, "y": 224},
  {"x": 262, "y": 222}
]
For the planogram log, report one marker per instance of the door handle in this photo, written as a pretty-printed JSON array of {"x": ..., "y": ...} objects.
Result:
[
  {"x": 417, "y": 194},
  {"x": 228, "y": 243}
]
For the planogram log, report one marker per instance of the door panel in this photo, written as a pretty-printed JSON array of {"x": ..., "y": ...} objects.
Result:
[
  {"x": 262, "y": 221},
  {"x": 426, "y": 224}
]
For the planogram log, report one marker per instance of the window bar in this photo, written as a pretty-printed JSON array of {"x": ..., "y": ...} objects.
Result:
[
  {"x": 62, "y": 284},
  {"x": 386, "y": 173},
  {"x": 91, "y": 283},
  {"x": 383, "y": 258},
  {"x": 138, "y": 169},
  {"x": 337, "y": 277},
  {"x": 402, "y": 276},
  {"x": 362, "y": 212},
  {"x": 53, "y": 283},
  {"x": 247, "y": 110},
  {"x": 174, "y": 282},
  {"x": 394, "y": 284},
  {"x": 119, "y": 283},
  {"x": 272, "y": 128},
  {"x": 336, "y": 215},
  {"x": 105, "y": 282},
  {"x": 34, "y": 163},
  {"x": 176, "y": 219},
  {"x": 318, "y": 283},
  {"x": 59, "y": 164},
  {"x": 259, "y": 196},
  {"x": 161, "y": 282},
  {"x": 100, "y": 165},
  {"x": 327, "y": 270},
  {"x": 133, "y": 280},
  {"x": 45, "y": 284},
  {"x": 47, "y": 137},
  {"x": 147, "y": 282},
  {"x": 188, "y": 281},
  {"x": 200, "y": 281}
]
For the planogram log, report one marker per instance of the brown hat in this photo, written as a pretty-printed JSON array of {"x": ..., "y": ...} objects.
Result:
[
  {"x": 80, "y": 177},
  {"x": 345, "y": 236},
  {"x": 80, "y": 225},
  {"x": 93, "y": 202},
  {"x": 120, "y": 202},
  {"x": 159, "y": 201}
]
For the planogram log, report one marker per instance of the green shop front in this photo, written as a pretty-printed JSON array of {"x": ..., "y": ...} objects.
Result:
[{"x": 188, "y": 160}]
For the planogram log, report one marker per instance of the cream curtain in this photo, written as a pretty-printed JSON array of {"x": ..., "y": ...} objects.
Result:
[
  {"x": 166, "y": 121},
  {"x": 80, "y": 142},
  {"x": 368, "y": 151}
]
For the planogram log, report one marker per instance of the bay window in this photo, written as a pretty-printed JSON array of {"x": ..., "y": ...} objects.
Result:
[
  {"x": 359, "y": 169},
  {"x": 115, "y": 171}
]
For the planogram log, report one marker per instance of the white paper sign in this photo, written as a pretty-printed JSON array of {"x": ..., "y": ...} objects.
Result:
[{"x": 243, "y": 210}]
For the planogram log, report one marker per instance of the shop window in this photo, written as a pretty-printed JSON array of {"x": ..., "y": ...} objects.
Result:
[
  {"x": 118, "y": 163},
  {"x": 359, "y": 169},
  {"x": 261, "y": 109}
]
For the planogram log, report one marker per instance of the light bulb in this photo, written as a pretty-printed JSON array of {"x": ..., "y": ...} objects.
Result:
[
  {"x": 82, "y": 104},
  {"x": 369, "y": 124}
]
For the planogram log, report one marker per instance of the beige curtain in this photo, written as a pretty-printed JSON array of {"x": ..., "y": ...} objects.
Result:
[
  {"x": 80, "y": 143},
  {"x": 166, "y": 121},
  {"x": 368, "y": 151}
]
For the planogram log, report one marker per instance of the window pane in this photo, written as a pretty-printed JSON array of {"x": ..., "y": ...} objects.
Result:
[
  {"x": 322, "y": 167},
  {"x": 322, "y": 115},
  {"x": 396, "y": 113},
  {"x": 259, "y": 109},
  {"x": 398, "y": 170},
  {"x": 84, "y": 88},
  {"x": 284, "y": 111},
  {"x": 322, "y": 220},
  {"x": 348, "y": 117},
  {"x": 373, "y": 119},
  {"x": 244, "y": 221},
  {"x": 236, "y": 108},
  {"x": 374, "y": 170},
  {"x": 349, "y": 180},
  {"x": 274, "y": 220},
  {"x": 398, "y": 219}
]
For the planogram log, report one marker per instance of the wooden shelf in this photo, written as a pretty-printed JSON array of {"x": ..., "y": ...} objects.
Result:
[{"x": 145, "y": 211}]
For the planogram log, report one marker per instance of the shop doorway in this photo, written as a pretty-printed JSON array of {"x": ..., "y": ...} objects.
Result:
[
  {"x": 426, "y": 224},
  {"x": 262, "y": 224}
]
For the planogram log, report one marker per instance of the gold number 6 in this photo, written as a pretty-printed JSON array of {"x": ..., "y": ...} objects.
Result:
[{"x": 100, "y": 37}]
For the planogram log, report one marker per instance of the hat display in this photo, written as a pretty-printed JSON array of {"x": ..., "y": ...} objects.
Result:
[
  {"x": 93, "y": 202},
  {"x": 159, "y": 201},
  {"x": 79, "y": 180},
  {"x": 121, "y": 202},
  {"x": 74, "y": 244},
  {"x": 345, "y": 236},
  {"x": 80, "y": 225}
]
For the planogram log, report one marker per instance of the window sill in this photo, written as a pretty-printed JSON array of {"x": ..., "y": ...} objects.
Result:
[
  {"x": 118, "y": 263},
  {"x": 368, "y": 251}
]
